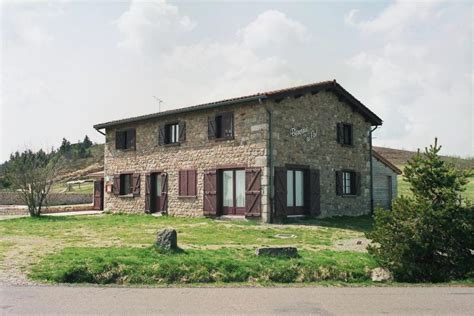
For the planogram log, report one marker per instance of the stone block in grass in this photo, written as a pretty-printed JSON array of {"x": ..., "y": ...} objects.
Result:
[
  {"x": 286, "y": 252},
  {"x": 167, "y": 239}
]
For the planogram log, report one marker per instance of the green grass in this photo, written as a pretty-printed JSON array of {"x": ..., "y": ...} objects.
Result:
[
  {"x": 4, "y": 247},
  {"x": 139, "y": 230},
  {"x": 148, "y": 266},
  {"x": 404, "y": 187},
  {"x": 118, "y": 249},
  {"x": 86, "y": 187}
]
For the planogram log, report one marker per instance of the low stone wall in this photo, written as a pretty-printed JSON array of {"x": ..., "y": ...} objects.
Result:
[
  {"x": 12, "y": 198},
  {"x": 21, "y": 210}
]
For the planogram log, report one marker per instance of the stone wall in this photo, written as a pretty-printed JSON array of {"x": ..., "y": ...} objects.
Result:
[
  {"x": 12, "y": 198},
  {"x": 248, "y": 148},
  {"x": 319, "y": 114},
  {"x": 381, "y": 184}
]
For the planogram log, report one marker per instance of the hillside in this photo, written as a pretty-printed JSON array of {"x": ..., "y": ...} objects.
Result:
[
  {"x": 399, "y": 157},
  {"x": 76, "y": 169}
]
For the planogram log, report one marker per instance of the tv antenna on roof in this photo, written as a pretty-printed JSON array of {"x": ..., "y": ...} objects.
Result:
[{"x": 159, "y": 102}]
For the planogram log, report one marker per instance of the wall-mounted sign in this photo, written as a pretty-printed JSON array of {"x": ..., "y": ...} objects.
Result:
[{"x": 305, "y": 133}]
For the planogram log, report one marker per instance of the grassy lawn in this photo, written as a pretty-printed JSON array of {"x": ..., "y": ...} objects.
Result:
[
  {"x": 118, "y": 249},
  {"x": 86, "y": 187}
]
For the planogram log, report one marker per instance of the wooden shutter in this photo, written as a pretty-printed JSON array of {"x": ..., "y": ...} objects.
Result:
[
  {"x": 131, "y": 138},
  {"x": 161, "y": 135},
  {"x": 357, "y": 183},
  {"x": 280, "y": 191},
  {"x": 117, "y": 184},
  {"x": 340, "y": 133},
  {"x": 338, "y": 182},
  {"x": 192, "y": 183},
  {"x": 228, "y": 124},
  {"x": 210, "y": 193},
  {"x": 211, "y": 127},
  {"x": 183, "y": 183},
  {"x": 253, "y": 196},
  {"x": 147, "y": 193},
  {"x": 136, "y": 184},
  {"x": 119, "y": 140},
  {"x": 164, "y": 193},
  {"x": 182, "y": 132},
  {"x": 314, "y": 192}
]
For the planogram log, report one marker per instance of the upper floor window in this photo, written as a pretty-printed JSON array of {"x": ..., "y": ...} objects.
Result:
[
  {"x": 344, "y": 134},
  {"x": 221, "y": 126},
  {"x": 173, "y": 133},
  {"x": 125, "y": 139}
]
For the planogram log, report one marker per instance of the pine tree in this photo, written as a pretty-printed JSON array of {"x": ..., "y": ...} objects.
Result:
[{"x": 427, "y": 237}]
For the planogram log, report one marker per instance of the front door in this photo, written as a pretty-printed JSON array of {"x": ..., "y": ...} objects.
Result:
[
  {"x": 155, "y": 192},
  {"x": 99, "y": 194},
  {"x": 233, "y": 192}
]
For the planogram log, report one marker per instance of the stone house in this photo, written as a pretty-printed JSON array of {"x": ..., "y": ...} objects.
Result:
[
  {"x": 300, "y": 151},
  {"x": 385, "y": 180}
]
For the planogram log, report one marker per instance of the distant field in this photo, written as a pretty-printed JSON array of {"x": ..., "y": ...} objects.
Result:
[
  {"x": 404, "y": 187},
  {"x": 86, "y": 187}
]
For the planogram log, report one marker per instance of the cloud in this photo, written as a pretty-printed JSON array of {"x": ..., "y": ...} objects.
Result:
[
  {"x": 417, "y": 77},
  {"x": 272, "y": 28},
  {"x": 154, "y": 24}
]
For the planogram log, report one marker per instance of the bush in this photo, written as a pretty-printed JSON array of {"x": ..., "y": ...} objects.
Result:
[{"x": 430, "y": 236}]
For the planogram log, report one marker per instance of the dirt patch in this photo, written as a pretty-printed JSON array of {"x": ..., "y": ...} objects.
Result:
[{"x": 355, "y": 244}]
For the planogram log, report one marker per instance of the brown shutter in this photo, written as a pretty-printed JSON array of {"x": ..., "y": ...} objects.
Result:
[
  {"x": 147, "y": 193},
  {"x": 131, "y": 138},
  {"x": 357, "y": 183},
  {"x": 210, "y": 193},
  {"x": 228, "y": 124},
  {"x": 119, "y": 140},
  {"x": 136, "y": 184},
  {"x": 161, "y": 135},
  {"x": 338, "y": 182},
  {"x": 183, "y": 179},
  {"x": 340, "y": 133},
  {"x": 164, "y": 193},
  {"x": 211, "y": 127},
  {"x": 253, "y": 195},
  {"x": 117, "y": 184},
  {"x": 280, "y": 191},
  {"x": 315, "y": 192},
  {"x": 182, "y": 132},
  {"x": 192, "y": 183}
]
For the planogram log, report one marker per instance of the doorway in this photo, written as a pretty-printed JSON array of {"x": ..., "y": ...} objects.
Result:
[
  {"x": 99, "y": 194},
  {"x": 233, "y": 192},
  {"x": 155, "y": 192}
]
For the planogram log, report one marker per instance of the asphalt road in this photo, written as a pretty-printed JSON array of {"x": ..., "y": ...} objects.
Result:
[{"x": 309, "y": 300}]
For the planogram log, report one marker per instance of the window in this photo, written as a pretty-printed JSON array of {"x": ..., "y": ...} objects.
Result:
[
  {"x": 347, "y": 182},
  {"x": 125, "y": 139},
  {"x": 126, "y": 185},
  {"x": 187, "y": 183},
  {"x": 221, "y": 126},
  {"x": 172, "y": 133},
  {"x": 295, "y": 188},
  {"x": 344, "y": 134}
]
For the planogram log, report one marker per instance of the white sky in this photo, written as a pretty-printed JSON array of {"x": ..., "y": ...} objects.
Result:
[{"x": 66, "y": 65}]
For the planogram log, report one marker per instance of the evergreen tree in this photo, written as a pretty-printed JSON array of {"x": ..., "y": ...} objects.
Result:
[
  {"x": 86, "y": 143},
  {"x": 427, "y": 237}
]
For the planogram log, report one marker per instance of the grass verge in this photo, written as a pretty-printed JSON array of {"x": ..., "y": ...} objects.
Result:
[{"x": 148, "y": 266}]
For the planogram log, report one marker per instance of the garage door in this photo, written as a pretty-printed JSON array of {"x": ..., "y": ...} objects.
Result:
[{"x": 383, "y": 191}]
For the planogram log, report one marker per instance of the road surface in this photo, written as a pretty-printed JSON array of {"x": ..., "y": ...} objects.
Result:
[{"x": 308, "y": 300}]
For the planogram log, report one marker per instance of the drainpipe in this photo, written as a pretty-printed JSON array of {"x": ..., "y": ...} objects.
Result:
[
  {"x": 270, "y": 163},
  {"x": 371, "y": 172}
]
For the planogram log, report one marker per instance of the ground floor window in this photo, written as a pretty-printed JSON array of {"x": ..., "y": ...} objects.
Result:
[
  {"x": 295, "y": 190},
  {"x": 126, "y": 185}
]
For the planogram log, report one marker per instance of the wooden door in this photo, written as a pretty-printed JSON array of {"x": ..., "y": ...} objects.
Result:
[{"x": 99, "y": 195}]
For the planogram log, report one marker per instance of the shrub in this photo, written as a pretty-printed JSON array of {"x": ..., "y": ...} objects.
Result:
[{"x": 430, "y": 236}]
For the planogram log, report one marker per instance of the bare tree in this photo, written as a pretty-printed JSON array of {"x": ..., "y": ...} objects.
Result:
[{"x": 31, "y": 175}]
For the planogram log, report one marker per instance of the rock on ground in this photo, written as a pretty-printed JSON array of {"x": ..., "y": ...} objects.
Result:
[
  {"x": 167, "y": 239},
  {"x": 380, "y": 275}
]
